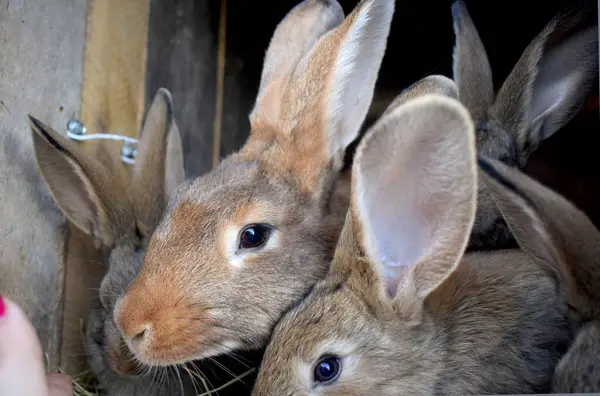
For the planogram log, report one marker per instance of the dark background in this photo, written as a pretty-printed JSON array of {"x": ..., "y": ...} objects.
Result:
[{"x": 183, "y": 44}]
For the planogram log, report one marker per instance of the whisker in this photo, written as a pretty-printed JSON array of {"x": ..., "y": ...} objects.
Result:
[
  {"x": 180, "y": 382},
  {"x": 234, "y": 380},
  {"x": 205, "y": 382},
  {"x": 194, "y": 380},
  {"x": 222, "y": 366}
]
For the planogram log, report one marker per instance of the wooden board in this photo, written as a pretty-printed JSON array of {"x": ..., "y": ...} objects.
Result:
[
  {"x": 40, "y": 65},
  {"x": 112, "y": 101},
  {"x": 182, "y": 58}
]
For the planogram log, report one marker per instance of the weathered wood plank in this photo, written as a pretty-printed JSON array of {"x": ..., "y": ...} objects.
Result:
[
  {"x": 40, "y": 73},
  {"x": 112, "y": 101},
  {"x": 182, "y": 58},
  {"x": 112, "y": 92}
]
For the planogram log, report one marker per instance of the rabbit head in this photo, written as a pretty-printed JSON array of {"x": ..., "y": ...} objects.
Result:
[
  {"x": 237, "y": 246},
  {"x": 544, "y": 90},
  {"x": 401, "y": 311},
  {"x": 563, "y": 241},
  {"x": 119, "y": 219},
  {"x": 433, "y": 84},
  {"x": 556, "y": 235}
]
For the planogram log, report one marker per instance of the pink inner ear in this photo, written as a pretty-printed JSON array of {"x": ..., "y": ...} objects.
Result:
[
  {"x": 396, "y": 276},
  {"x": 392, "y": 286}
]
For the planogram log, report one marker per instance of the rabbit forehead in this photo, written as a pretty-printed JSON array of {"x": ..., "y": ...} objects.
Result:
[
  {"x": 232, "y": 194},
  {"x": 336, "y": 320},
  {"x": 331, "y": 319}
]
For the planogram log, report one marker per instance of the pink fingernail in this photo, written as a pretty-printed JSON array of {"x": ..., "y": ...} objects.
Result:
[{"x": 2, "y": 307}]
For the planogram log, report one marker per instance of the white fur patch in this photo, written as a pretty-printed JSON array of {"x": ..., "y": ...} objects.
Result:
[
  {"x": 236, "y": 257},
  {"x": 225, "y": 347},
  {"x": 356, "y": 70}
]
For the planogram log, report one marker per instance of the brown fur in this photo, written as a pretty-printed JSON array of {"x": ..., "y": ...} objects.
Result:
[
  {"x": 120, "y": 220},
  {"x": 427, "y": 85},
  {"x": 480, "y": 323},
  {"x": 287, "y": 175},
  {"x": 566, "y": 245},
  {"x": 545, "y": 89}
]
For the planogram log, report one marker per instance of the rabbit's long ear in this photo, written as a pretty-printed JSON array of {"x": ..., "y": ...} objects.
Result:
[
  {"x": 414, "y": 194},
  {"x": 472, "y": 71},
  {"x": 551, "y": 80},
  {"x": 434, "y": 84},
  {"x": 85, "y": 190},
  {"x": 330, "y": 93},
  {"x": 159, "y": 163},
  {"x": 557, "y": 236},
  {"x": 295, "y": 35}
]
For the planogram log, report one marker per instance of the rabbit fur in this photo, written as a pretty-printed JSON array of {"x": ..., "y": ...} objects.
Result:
[
  {"x": 562, "y": 240},
  {"x": 120, "y": 220},
  {"x": 544, "y": 90},
  {"x": 200, "y": 292},
  {"x": 402, "y": 307}
]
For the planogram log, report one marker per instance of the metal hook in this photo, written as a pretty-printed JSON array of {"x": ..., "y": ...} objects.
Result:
[{"x": 76, "y": 130}]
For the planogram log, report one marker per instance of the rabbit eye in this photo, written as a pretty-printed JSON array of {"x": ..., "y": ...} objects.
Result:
[
  {"x": 328, "y": 369},
  {"x": 254, "y": 236}
]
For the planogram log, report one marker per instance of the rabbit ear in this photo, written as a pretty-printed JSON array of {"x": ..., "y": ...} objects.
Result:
[
  {"x": 472, "y": 71},
  {"x": 414, "y": 193},
  {"x": 295, "y": 35},
  {"x": 554, "y": 234},
  {"x": 159, "y": 163},
  {"x": 434, "y": 84},
  {"x": 85, "y": 190},
  {"x": 330, "y": 93},
  {"x": 550, "y": 81}
]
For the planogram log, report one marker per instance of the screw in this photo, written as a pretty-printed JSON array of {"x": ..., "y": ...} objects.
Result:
[
  {"x": 76, "y": 127},
  {"x": 128, "y": 151}
]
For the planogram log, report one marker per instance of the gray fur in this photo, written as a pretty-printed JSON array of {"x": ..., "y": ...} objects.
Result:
[{"x": 545, "y": 89}]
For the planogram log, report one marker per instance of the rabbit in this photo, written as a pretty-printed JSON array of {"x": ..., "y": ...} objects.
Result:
[
  {"x": 238, "y": 246},
  {"x": 563, "y": 241},
  {"x": 120, "y": 220},
  {"x": 579, "y": 370},
  {"x": 544, "y": 90},
  {"x": 403, "y": 309}
]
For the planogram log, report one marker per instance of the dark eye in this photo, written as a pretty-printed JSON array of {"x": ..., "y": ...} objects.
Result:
[
  {"x": 328, "y": 369},
  {"x": 254, "y": 236}
]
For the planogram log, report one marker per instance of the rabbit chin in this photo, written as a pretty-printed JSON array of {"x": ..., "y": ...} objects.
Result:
[
  {"x": 122, "y": 361},
  {"x": 179, "y": 354}
]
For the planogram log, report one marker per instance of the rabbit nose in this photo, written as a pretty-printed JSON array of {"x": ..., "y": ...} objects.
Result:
[
  {"x": 134, "y": 325},
  {"x": 138, "y": 335}
]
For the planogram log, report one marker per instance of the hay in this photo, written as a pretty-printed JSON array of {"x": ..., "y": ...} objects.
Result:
[{"x": 86, "y": 384}]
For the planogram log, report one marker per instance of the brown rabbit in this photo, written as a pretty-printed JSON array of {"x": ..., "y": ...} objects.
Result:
[
  {"x": 239, "y": 245},
  {"x": 545, "y": 89},
  {"x": 564, "y": 242},
  {"x": 120, "y": 220},
  {"x": 402, "y": 310}
]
